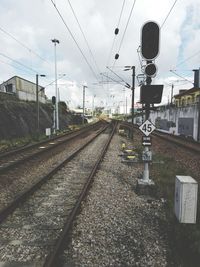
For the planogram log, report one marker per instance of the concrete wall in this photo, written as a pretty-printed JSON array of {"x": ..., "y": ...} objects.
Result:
[{"x": 177, "y": 120}]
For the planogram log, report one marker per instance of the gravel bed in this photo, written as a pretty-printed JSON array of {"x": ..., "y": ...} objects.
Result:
[
  {"x": 29, "y": 234},
  {"x": 117, "y": 227},
  {"x": 16, "y": 181}
]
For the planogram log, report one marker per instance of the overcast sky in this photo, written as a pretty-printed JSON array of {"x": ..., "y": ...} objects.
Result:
[{"x": 27, "y": 27}]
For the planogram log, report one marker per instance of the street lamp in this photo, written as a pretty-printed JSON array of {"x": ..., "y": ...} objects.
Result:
[
  {"x": 55, "y": 41},
  {"x": 133, "y": 93},
  {"x": 37, "y": 101}
]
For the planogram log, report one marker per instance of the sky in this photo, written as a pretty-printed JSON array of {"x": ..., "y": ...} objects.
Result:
[{"x": 86, "y": 50}]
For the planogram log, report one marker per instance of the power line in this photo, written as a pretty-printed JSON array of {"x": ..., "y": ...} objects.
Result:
[
  {"x": 181, "y": 76},
  {"x": 14, "y": 66},
  {"x": 168, "y": 14},
  {"x": 116, "y": 34},
  {"x": 125, "y": 29},
  {"x": 198, "y": 52},
  {"x": 119, "y": 77},
  {"x": 74, "y": 40},
  {"x": 92, "y": 55},
  {"x": 112, "y": 79},
  {"x": 23, "y": 45},
  {"x": 18, "y": 63}
]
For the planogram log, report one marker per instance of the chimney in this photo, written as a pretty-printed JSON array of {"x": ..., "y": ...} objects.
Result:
[{"x": 196, "y": 78}]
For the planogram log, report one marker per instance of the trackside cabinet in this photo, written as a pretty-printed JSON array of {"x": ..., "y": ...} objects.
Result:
[{"x": 186, "y": 189}]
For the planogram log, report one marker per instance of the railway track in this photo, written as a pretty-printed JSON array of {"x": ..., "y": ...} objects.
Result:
[
  {"x": 35, "y": 225},
  {"x": 191, "y": 146},
  {"x": 12, "y": 159}
]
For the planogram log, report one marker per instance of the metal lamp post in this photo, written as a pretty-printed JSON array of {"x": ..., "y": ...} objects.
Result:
[
  {"x": 55, "y": 41},
  {"x": 37, "y": 101}
]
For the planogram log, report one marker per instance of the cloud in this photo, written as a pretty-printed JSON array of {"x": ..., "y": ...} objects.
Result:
[{"x": 37, "y": 23}]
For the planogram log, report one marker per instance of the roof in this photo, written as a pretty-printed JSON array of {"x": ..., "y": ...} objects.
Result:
[
  {"x": 188, "y": 92},
  {"x": 21, "y": 79}
]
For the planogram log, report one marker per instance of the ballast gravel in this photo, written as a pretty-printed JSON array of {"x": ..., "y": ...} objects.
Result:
[{"x": 117, "y": 227}]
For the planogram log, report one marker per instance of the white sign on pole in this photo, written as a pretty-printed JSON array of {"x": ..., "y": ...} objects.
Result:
[
  {"x": 48, "y": 131},
  {"x": 147, "y": 127}
]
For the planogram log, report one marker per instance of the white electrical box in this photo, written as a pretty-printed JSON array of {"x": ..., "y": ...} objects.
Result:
[{"x": 186, "y": 189}]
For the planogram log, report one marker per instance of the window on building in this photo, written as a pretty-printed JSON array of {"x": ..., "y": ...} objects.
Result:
[{"x": 9, "y": 88}]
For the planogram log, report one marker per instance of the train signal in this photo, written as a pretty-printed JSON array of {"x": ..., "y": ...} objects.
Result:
[
  {"x": 53, "y": 100},
  {"x": 150, "y": 40},
  {"x": 150, "y": 70},
  {"x": 151, "y": 94}
]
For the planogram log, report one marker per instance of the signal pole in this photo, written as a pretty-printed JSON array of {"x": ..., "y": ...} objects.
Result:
[{"x": 149, "y": 93}]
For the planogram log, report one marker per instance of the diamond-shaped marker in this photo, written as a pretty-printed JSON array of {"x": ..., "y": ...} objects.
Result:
[{"x": 147, "y": 127}]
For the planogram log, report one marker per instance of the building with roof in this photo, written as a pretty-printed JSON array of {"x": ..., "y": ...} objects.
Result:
[
  {"x": 191, "y": 96},
  {"x": 187, "y": 97},
  {"x": 23, "y": 89}
]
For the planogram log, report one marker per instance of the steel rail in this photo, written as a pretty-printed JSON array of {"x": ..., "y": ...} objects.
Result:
[
  {"x": 69, "y": 137},
  {"x": 52, "y": 258},
  {"x": 23, "y": 197},
  {"x": 30, "y": 146}
]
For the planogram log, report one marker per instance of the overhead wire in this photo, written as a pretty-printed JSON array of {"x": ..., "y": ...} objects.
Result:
[
  {"x": 14, "y": 66},
  {"x": 114, "y": 39},
  {"x": 23, "y": 45},
  {"x": 126, "y": 84},
  {"x": 181, "y": 76},
  {"x": 118, "y": 82},
  {"x": 72, "y": 36},
  {"x": 198, "y": 52},
  {"x": 86, "y": 41},
  {"x": 3, "y": 55},
  {"x": 168, "y": 14},
  {"x": 130, "y": 14}
]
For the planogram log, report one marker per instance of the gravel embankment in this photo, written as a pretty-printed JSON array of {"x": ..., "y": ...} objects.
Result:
[
  {"x": 117, "y": 227},
  {"x": 19, "y": 179},
  {"x": 29, "y": 234}
]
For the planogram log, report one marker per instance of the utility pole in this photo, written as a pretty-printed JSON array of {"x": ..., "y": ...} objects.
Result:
[
  {"x": 133, "y": 95},
  {"x": 37, "y": 102},
  {"x": 84, "y": 86},
  {"x": 172, "y": 92},
  {"x": 55, "y": 41},
  {"x": 93, "y": 106}
]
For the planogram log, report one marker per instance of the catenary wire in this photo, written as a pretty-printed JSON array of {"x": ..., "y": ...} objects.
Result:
[
  {"x": 118, "y": 82},
  {"x": 23, "y": 45},
  {"x": 28, "y": 72},
  {"x": 114, "y": 39},
  {"x": 181, "y": 76},
  {"x": 67, "y": 27},
  {"x": 125, "y": 29},
  {"x": 168, "y": 14},
  {"x": 118, "y": 76},
  {"x": 1, "y": 54},
  {"x": 88, "y": 46},
  {"x": 198, "y": 52}
]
